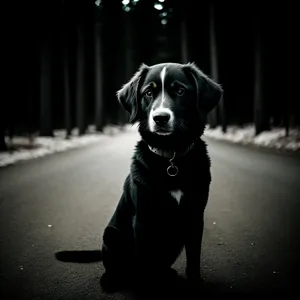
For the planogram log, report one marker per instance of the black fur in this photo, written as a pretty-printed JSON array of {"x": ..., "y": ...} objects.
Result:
[{"x": 149, "y": 229}]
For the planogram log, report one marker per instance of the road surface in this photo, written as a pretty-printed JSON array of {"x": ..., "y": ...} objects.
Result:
[{"x": 62, "y": 202}]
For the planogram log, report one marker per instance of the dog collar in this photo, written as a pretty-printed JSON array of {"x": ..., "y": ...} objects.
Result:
[
  {"x": 172, "y": 170},
  {"x": 170, "y": 154}
]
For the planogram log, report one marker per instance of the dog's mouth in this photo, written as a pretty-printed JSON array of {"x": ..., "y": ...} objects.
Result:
[
  {"x": 162, "y": 129},
  {"x": 163, "y": 132}
]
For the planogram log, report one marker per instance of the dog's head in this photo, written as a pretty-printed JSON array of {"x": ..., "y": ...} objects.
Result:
[{"x": 170, "y": 102}]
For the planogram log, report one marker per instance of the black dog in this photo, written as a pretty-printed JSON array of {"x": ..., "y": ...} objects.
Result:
[{"x": 166, "y": 192}]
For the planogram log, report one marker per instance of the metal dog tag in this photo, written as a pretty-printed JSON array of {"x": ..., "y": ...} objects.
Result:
[{"x": 172, "y": 170}]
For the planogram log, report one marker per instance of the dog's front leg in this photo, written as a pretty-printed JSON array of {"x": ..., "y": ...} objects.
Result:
[
  {"x": 193, "y": 234},
  {"x": 193, "y": 243}
]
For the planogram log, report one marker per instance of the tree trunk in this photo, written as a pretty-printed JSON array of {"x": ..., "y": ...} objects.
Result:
[
  {"x": 80, "y": 81},
  {"x": 45, "y": 87},
  {"x": 260, "y": 118},
  {"x": 30, "y": 106},
  {"x": 66, "y": 88},
  {"x": 184, "y": 42},
  {"x": 223, "y": 115},
  {"x": 286, "y": 123},
  {"x": 129, "y": 59},
  {"x": 4, "y": 116},
  {"x": 99, "y": 120},
  {"x": 66, "y": 83},
  {"x": 3, "y": 146},
  {"x": 64, "y": 43},
  {"x": 113, "y": 46},
  {"x": 213, "y": 115}
]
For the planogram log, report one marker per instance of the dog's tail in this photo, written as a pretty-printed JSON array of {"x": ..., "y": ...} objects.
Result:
[{"x": 79, "y": 256}]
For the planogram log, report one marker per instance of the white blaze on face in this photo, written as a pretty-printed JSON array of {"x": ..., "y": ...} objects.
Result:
[
  {"x": 156, "y": 109},
  {"x": 162, "y": 78}
]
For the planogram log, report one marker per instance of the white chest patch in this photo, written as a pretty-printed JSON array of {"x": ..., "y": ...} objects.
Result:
[{"x": 177, "y": 195}]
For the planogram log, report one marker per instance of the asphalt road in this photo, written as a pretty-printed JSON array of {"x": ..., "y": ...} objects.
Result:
[{"x": 62, "y": 202}]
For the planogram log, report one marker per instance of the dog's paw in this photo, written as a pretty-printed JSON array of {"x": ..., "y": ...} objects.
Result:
[
  {"x": 171, "y": 274},
  {"x": 194, "y": 278},
  {"x": 112, "y": 283},
  {"x": 167, "y": 277},
  {"x": 163, "y": 278}
]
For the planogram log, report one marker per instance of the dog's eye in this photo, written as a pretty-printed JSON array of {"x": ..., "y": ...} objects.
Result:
[
  {"x": 149, "y": 94},
  {"x": 180, "y": 91}
]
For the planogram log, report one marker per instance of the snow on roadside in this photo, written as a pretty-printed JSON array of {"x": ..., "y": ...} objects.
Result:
[
  {"x": 274, "y": 138},
  {"x": 41, "y": 146}
]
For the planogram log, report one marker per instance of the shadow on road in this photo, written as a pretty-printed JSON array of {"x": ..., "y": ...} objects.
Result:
[
  {"x": 179, "y": 290},
  {"x": 80, "y": 256}
]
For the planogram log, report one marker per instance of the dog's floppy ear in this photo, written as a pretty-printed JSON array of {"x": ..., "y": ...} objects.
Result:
[
  {"x": 128, "y": 94},
  {"x": 209, "y": 93}
]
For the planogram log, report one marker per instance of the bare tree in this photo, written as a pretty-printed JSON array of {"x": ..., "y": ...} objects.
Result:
[
  {"x": 80, "y": 80},
  {"x": 184, "y": 41},
  {"x": 260, "y": 118},
  {"x": 45, "y": 84},
  {"x": 99, "y": 115},
  {"x": 213, "y": 116},
  {"x": 3, "y": 146},
  {"x": 66, "y": 72},
  {"x": 67, "y": 100},
  {"x": 30, "y": 107},
  {"x": 129, "y": 57}
]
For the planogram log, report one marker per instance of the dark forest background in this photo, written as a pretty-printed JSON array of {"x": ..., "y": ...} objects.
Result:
[{"x": 66, "y": 60}]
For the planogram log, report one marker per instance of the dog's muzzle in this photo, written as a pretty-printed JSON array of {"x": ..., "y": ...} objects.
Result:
[
  {"x": 161, "y": 118},
  {"x": 161, "y": 121}
]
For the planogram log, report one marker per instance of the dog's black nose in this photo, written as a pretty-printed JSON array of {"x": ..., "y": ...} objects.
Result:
[{"x": 161, "y": 118}]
